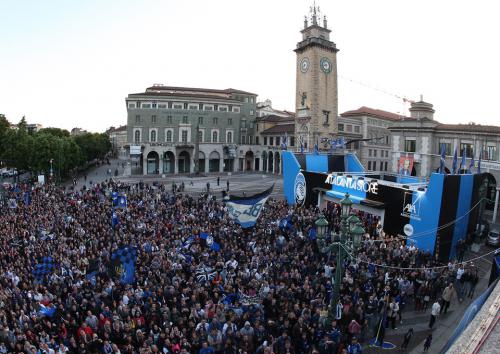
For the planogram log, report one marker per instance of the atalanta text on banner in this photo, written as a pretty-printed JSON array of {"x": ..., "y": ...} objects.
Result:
[
  {"x": 357, "y": 184},
  {"x": 246, "y": 210}
]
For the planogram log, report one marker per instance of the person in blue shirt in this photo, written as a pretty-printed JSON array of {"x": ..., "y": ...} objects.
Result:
[
  {"x": 205, "y": 349},
  {"x": 354, "y": 347}
]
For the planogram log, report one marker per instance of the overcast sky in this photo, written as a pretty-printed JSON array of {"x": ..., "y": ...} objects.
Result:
[{"x": 72, "y": 63}]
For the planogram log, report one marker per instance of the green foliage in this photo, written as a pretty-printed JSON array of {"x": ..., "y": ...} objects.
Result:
[{"x": 34, "y": 152}]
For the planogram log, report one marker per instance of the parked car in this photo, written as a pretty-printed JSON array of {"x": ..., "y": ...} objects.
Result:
[{"x": 493, "y": 238}]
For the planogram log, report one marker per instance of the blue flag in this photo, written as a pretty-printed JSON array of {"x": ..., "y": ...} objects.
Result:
[
  {"x": 27, "y": 198},
  {"x": 114, "y": 219},
  {"x": 45, "y": 267},
  {"x": 47, "y": 311},
  {"x": 246, "y": 210},
  {"x": 286, "y": 223},
  {"x": 462, "y": 161},
  {"x": 284, "y": 142},
  {"x": 454, "y": 163},
  {"x": 443, "y": 158},
  {"x": 312, "y": 234},
  {"x": 123, "y": 264},
  {"x": 209, "y": 241},
  {"x": 119, "y": 201}
]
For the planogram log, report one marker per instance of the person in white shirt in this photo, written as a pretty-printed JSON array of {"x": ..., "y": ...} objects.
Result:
[{"x": 436, "y": 307}]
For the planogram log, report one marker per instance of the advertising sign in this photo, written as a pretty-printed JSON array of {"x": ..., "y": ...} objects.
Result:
[
  {"x": 353, "y": 184},
  {"x": 135, "y": 149},
  {"x": 405, "y": 165},
  {"x": 411, "y": 207}
]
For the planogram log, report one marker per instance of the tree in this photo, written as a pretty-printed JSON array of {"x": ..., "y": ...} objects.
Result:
[{"x": 55, "y": 131}]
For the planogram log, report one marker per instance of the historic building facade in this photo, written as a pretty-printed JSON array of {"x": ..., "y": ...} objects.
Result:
[
  {"x": 168, "y": 127},
  {"x": 316, "y": 96},
  {"x": 420, "y": 137}
]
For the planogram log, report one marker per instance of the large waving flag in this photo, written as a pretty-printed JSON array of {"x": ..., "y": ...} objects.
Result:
[
  {"x": 45, "y": 267},
  {"x": 123, "y": 264},
  {"x": 209, "y": 241},
  {"x": 246, "y": 210},
  {"x": 443, "y": 158},
  {"x": 454, "y": 163},
  {"x": 462, "y": 161}
]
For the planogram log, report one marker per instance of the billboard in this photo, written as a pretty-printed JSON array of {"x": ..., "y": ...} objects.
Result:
[
  {"x": 135, "y": 150},
  {"x": 405, "y": 165}
]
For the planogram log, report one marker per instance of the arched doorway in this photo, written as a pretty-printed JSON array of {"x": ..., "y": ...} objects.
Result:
[
  {"x": 270, "y": 162},
  {"x": 277, "y": 162},
  {"x": 249, "y": 161},
  {"x": 264, "y": 161},
  {"x": 168, "y": 162},
  {"x": 201, "y": 162},
  {"x": 153, "y": 163},
  {"x": 184, "y": 162},
  {"x": 214, "y": 162}
]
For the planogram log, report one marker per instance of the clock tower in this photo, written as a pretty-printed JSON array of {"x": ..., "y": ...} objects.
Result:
[{"x": 316, "y": 102}]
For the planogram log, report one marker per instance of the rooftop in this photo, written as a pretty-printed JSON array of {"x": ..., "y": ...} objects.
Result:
[
  {"x": 377, "y": 113},
  {"x": 280, "y": 129},
  {"x": 273, "y": 118}
]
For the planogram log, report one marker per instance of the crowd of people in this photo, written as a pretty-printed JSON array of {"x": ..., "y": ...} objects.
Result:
[{"x": 264, "y": 290}]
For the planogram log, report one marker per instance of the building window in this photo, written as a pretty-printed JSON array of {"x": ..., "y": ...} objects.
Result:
[
  {"x": 146, "y": 105},
  {"x": 162, "y": 105},
  {"x": 385, "y": 166},
  {"x": 200, "y": 120},
  {"x": 447, "y": 148},
  {"x": 177, "y": 106},
  {"x": 200, "y": 136},
  {"x": 369, "y": 165},
  {"x": 152, "y": 136},
  {"x": 193, "y": 107},
  {"x": 138, "y": 104},
  {"x": 490, "y": 152},
  {"x": 374, "y": 165},
  {"x": 387, "y": 140},
  {"x": 230, "y": 121},
  {"x": 215, "y": 120},
  {"x": 265, "y": 140},
  {"x": 410, "y": 145},
  {"x": 349, "y": 128},
  {"x": 243, "y": 123},
  {"x": 169, "y": 119},
  {"x": 137, "y": 119},
  {"x": 131, "y": 105},
  {"x": 370, "y": 152},
  {"x": 168, "y": 136},
  {"x": 341, "y": 127},
  {"x": 278, "y": 139},
  {"x": 243, "y": 139},
  {"x": 153, "y": 119},
  {"x": 222, "y": 108},
  {"x": 250, "y": 139},
  {"x": 208, "y": 107},
  {"x": 374, "y": 154},
  {"x": 271, "y": 140},
  {"x": 251, "y": 112},
  {"x": 246, "y": 99},
  {"x": 467, "y": 148},
  {"x": 236, "y": 109},
  {"x": 153, "y": 105},
  {"x": 184, "y": 136},
  {"x": 214, "y": 137},
  {"x": 356, "y": 128},
  {"x": 184, "y": 119},
  {"x": 137, "y": 136},
  {"x": 256, "y": 140},
  {"x": 229, "y": 138},
  {"x": 292, "y": 141}
]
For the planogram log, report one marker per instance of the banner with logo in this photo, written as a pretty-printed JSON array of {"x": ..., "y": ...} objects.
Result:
[
  {"x": 246, "y": 210},
  {"x": 405, "y": 165}
]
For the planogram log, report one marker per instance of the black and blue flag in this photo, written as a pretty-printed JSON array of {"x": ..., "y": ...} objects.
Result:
[
  {"x": 45, "y": 267},
  {"x": 123, "y": 264}
]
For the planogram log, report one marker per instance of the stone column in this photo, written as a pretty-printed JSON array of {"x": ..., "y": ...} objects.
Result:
[
  {"x": 144, "y": 164},
  {"x": 495, "y": 209},
  {"x": 160, "y": 164},
  {"x": 176, "y": 163}
]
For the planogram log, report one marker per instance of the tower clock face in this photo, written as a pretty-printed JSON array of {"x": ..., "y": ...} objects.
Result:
[
  {"x": 326, "y": 65},
  {"x": 304, "y": 64}
]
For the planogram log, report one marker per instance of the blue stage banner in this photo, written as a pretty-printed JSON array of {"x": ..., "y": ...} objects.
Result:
[
  {"x": 123, "y": 264},
  {"x": 246, "y": 210},
  {"x": 469, "y": 315}
]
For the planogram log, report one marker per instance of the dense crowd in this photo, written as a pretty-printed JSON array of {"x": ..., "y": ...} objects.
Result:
[{"x": 266, "y": 290}]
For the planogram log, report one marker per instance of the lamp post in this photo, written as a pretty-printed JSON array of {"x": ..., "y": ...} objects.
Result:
[
  {"x": 351, "y": 233},
  {"x": 51, "y": 169}
]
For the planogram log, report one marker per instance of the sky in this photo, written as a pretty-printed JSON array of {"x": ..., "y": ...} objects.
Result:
[{"x": 72, "y": 63}]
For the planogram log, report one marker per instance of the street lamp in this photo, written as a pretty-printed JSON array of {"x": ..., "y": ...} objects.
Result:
[{"x": 351, "y": 233}]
